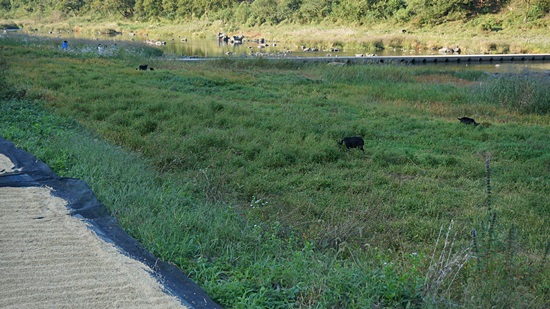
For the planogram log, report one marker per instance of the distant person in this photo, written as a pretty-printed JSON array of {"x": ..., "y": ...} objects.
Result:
[
  {"x": 65, "y": 45},
  {"x": 99, "y": 48}
]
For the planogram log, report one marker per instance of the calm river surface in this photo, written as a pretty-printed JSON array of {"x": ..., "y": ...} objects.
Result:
[{"x": 180, "y": 47}]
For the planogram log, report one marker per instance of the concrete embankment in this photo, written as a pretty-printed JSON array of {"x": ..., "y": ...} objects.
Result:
[
  {"x": 428, "y": 59},
  {"x": 447, "y": 58}
]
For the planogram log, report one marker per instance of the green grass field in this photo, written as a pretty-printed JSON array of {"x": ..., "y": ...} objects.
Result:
[{"x": 231, "y": 170}]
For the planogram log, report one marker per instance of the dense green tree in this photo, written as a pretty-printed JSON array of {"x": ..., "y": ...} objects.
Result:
[
  {"x": 440, "y": 11},
  {"x": 264, "y": 11},
  {"x": 124, "y": 8},
  {"x": 286, "y": 9},
  {"x": 5, "y": 5},
  {"x": 201, "y": 8},
  {"x": 390, "y": 8},
  {"x": 184, "y": 9},
  {"x": 170, "y": 8},
  {"x": 257, "y": 12},
  {"x": 26, "y": 5},
  {"x": 314, "y": 10},
  {"x": 241, "y": 13},
  {"x": 150, "y": 8},
  {"x": 355, "y": 11},
  {"x": 70, "y": 7}
]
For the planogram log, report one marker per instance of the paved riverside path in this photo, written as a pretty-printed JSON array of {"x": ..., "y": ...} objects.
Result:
[{"x": 53, "y": 255}]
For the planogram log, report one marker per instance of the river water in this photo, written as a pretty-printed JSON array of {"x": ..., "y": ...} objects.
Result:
[{"x": 191, "y": 47}]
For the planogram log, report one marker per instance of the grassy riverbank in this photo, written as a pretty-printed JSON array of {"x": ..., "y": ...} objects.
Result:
[{"x": 231, "y": 170}]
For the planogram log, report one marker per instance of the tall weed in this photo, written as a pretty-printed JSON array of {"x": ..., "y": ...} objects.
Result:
[
  {"x": 518, "y": 92},
  {"x": 502, "y": 277}
]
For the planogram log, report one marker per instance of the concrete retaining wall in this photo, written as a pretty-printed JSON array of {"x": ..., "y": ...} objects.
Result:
[{"x": 429, "y": 59}]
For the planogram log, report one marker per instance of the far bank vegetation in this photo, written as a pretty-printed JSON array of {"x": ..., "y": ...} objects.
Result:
[{"x": 489, "y": 15}]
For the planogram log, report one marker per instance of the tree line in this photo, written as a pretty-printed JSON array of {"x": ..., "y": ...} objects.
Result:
[{"x": 273, "y": 12}]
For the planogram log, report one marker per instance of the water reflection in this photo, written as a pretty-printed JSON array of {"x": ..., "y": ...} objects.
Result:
[
  {"x": 182, "y": 47},
  {"x": 212, "y": 47}
]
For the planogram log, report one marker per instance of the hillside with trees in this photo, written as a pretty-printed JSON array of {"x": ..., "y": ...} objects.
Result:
[{"x": 274, "y": 12}]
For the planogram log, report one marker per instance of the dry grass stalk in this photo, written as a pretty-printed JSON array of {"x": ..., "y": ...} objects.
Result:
[{"x": 443, "y": 271}]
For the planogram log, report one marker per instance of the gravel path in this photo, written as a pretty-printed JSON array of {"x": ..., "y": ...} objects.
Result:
[{"x": 52, "y": 258}]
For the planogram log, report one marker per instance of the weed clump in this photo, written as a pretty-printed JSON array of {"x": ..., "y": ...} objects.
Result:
[{"x": 525, "y": 93}]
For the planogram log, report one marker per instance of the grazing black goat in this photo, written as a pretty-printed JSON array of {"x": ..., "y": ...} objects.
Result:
[
  {"x": 143, "y": 67},
  {"x": 353, "y": 142},
  {"x": 466, "y": 120}
]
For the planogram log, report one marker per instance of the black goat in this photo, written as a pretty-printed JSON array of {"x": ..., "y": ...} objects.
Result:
[
  {"x": 353, "y": 142},
  {"x": 466, "y": 120}
]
